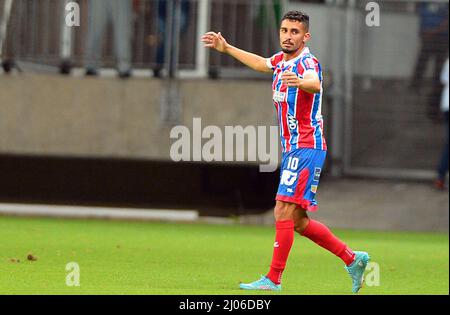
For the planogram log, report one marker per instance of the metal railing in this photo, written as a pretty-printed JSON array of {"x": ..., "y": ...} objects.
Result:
[
  {"x": 386, "y": 99},
  {"x": 36, "y": 31}
]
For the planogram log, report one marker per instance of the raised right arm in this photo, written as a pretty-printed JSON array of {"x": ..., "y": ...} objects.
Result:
[{"x": 217, "y": 42}]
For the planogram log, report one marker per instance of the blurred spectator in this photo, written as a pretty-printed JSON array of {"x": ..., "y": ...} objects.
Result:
[
  {"x": 7, "y": 28},
  {"x": 443, "y": 165},
  {"x": 119, "y": 13},
  {"x": 274, "y": 7},
  {"x": 434, "y": 45},
  {"x": 162, "y": 15}
]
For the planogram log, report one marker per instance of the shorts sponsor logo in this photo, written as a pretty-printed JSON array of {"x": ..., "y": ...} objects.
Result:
[
  {"x": 317, "y": 172},
  {"x": 288, "y": 178}
]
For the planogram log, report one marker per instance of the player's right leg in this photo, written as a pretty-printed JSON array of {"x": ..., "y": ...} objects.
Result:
[{"x": 284, "y": 238}]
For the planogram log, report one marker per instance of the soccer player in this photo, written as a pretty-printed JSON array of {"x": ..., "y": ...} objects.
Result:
[{"x": 297, "y": 96}]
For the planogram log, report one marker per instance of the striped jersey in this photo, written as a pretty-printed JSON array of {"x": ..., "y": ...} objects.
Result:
[{"x": 299, "y": 112}]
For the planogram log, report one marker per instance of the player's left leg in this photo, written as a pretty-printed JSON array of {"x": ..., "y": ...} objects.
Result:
[
  {"x": 303, "y": 192},
  {"x": 322, "y": 236},
  {"x": 317, "y": 232}
]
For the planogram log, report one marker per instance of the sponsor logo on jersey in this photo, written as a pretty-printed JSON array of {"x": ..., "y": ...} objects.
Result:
[
  {"x": 279, "y": 96},
  {"x": 292, "y": 122}
]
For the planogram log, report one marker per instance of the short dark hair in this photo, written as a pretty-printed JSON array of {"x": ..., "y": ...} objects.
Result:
[{"x": 297, "y": 16}]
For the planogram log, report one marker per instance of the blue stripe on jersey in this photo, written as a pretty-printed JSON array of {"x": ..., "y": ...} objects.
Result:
[
  {"x": 292, "y": 110},
  {"x": 280, "y": 125},
  {"x": 317, "y": 128},
  {"x": 280, "y": 112}
]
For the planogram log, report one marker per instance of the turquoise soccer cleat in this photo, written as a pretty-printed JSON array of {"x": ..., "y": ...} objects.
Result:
[
  {"x": 262, "y": 284},
  {"x": 356, "y": 270}
]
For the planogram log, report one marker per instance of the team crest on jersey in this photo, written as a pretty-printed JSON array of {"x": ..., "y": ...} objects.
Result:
[
  {"x": 292, "y": 122},
  {"x": 279, "y": 96}
]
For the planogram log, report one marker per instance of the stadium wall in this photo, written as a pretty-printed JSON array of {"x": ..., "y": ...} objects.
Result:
[{"x": 109, "y": 118}]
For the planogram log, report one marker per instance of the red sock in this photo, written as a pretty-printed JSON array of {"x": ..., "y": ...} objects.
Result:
[
  {"x": 322, "y": 236},
  {"x": 284, "y": 238}
]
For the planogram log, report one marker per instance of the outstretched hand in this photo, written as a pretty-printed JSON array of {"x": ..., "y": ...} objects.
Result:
[{"x": 215, "y": 40}]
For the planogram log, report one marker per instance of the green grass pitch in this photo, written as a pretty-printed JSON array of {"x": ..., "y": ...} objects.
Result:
[{"x": 165, "y": 258}]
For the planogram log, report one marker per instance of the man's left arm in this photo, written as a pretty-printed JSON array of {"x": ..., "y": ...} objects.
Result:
[{"x": 309, "y": 83}]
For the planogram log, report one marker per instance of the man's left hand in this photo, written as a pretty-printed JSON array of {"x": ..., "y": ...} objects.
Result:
[{"x": 290, "y": 79}]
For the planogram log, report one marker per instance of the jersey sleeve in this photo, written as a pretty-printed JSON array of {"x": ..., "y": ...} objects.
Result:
[
  {"x": 310, "y": 65},
  {"x": 274, "y": 60}
]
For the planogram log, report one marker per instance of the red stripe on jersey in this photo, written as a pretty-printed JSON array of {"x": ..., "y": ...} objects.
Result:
[
  {"x": 275, "y": 80},
  {"x": 300, "y": 69},
  {"x": 274, "y": 88},
  {"x": 276, "y": 59},
  {"x": 306, "y": 134}
]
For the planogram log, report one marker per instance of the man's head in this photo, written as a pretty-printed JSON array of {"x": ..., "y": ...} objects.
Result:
[{"x": 294, "y": 31}]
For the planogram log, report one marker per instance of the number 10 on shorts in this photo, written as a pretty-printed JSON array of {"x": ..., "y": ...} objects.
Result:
[{"x": 292, "y": 163}]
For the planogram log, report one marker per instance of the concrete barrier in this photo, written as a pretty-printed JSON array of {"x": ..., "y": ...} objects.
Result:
[{"x": 107, "y": 117}]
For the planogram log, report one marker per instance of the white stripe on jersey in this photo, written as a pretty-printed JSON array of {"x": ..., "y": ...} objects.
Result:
[{"x": 295, "y": 115}]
